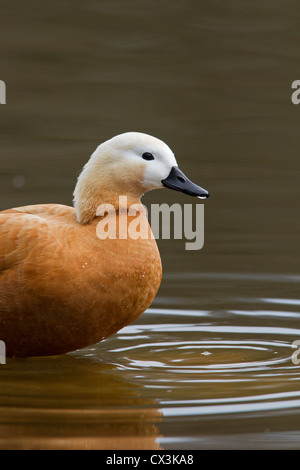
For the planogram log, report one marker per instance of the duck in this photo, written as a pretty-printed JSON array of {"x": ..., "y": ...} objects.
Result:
[{"x": 64, "y": 286}]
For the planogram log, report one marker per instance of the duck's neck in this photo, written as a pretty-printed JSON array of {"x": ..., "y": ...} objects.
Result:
[{"x": 91, "y": 194}]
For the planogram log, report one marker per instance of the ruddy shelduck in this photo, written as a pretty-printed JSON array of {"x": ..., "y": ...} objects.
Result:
[{"x": 62, "y": 287}]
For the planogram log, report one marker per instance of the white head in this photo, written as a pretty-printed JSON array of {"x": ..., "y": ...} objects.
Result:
[{"x": 128, "y": 164}]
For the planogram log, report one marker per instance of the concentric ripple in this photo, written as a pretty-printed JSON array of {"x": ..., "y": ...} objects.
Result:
[
  {"x": 187, "y": 350},
  {"x": 209, "y": 348}
]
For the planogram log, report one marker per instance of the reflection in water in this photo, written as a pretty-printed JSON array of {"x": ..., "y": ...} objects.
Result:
[
  {"x": 68, "y": 402},
  {"x": 176, "y": 378}
]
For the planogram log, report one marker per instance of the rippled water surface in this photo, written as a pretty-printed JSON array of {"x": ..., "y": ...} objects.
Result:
[{"x": 209, "y": 365}]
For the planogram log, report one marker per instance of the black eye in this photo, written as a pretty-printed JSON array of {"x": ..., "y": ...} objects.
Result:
[{"x": 147, "y": 156}]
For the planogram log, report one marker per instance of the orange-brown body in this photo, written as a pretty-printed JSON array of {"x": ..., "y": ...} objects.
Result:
[{"x": 61, "y": 287}]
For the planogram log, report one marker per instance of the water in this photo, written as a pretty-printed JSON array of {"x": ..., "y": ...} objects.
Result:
[
  {"x": 218, "y": 377},
  {"x": 209, "y": 365}
]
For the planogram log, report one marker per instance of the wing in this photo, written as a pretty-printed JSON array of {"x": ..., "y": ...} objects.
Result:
[
  {"x": 25, "y": 230},
  {"x": 17, "y": 229}
]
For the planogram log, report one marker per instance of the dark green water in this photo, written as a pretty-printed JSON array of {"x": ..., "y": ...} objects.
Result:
[{"x": 209, "y": 365}]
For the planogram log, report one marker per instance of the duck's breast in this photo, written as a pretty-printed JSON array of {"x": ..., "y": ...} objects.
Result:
[{"x": 61, "y": 287}]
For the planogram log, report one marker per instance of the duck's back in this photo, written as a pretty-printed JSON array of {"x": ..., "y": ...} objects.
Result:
[{"x": 61, "y": 287}]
